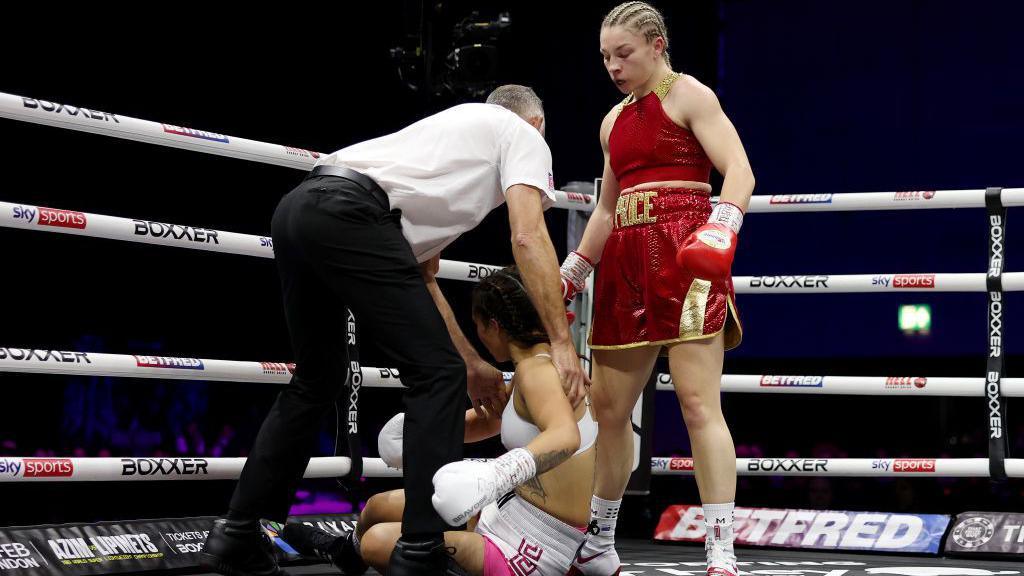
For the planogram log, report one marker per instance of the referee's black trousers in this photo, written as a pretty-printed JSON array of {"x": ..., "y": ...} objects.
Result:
[{"x": 337, "y": 244}]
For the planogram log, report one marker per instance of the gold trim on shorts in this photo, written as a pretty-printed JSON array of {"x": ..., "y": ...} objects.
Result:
[{"x": 695, "y": 307}]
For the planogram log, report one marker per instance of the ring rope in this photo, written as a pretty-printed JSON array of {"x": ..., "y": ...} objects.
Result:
[
  {"x": 72, "y": 363},
  {"x": 849, "y": 467},
  {"x": 55, "y": 469},
  {"x": 855, "y": 283},
  {"x": 128, "y": 128},
  {"x": 42, "y": 219},
  {"x": 68, "y": 117},
  {"x": 905, "y": 200}
]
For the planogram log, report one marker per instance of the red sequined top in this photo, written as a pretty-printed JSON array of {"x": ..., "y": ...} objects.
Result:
[{"x": 645, "y": 145}]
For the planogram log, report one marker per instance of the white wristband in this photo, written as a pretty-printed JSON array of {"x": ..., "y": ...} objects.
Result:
[
  {"x": 728, "y": 214},
  {"x": 512, "y": 469}
]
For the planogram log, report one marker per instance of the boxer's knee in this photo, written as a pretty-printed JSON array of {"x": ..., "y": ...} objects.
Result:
[
  {"x": 382, "y": 507},
  {"x": 610, "y": 410},
  {"x": 698, "y": 411},
  {"x": 370, "y": 515},
  {"x": 375, "y": 546}
]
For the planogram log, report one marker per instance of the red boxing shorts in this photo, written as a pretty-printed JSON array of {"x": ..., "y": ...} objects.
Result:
[{"x": 641, "y": 296}]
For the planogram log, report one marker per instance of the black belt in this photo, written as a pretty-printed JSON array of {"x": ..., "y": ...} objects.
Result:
[{"x": 364, "y": 181}]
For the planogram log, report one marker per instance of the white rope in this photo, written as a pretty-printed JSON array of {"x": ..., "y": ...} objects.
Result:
[
  {"x": 859, "y": 467},
  {"x": 858, "y": 385},
  {"x": 55, "y": 469},
  {"x": 97, "y": 122},
  {"x": 128, "y": 128},
  {"x": 20, "y": 469},
  {"x": 851, "y": 283},
  {"x": 908, "y": 200},
  {"x": 74, "y": 363},
  {"x": 29, "y": 217},
  {"x": 70, "y": 363}
]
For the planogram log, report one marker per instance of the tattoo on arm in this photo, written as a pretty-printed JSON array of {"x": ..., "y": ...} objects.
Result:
[
  {"x": 549, "y": 460},
  {"x": 544, "y": 462}
]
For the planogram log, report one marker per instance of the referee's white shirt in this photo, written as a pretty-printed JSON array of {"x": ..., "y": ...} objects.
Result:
[{"x": 448, "y": 171}]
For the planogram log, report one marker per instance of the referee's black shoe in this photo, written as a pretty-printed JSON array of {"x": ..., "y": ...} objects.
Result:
[
  {"x": 239, "y": 549},
  {"x": 338, "y": 550}
]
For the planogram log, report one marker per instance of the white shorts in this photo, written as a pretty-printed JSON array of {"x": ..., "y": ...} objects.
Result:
[{"x": 533, "y": 542}]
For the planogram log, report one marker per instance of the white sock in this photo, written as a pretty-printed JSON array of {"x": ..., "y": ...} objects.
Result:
[
  {"x": 718, "y": 522},
  {"x": 605, "y": 513}
]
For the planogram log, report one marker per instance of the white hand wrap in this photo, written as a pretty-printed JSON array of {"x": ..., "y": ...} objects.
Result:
[
  {"x": 575, "y": 270},
  {"x": 461, "y": 489},
  {"x": 389, "y": 441},
  {"x": 513, "y": 468},
  {"x": 728, "y": 214}
]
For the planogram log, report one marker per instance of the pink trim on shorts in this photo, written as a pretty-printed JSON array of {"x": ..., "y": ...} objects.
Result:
[{"x": 494, "y": 561}]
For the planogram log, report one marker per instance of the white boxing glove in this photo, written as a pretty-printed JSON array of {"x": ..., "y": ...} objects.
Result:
[
  {"x": 389, "y": 441},
  {"x": 461, "y": 489}
]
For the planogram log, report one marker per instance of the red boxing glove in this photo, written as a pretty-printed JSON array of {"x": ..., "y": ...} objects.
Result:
[{"x": 708, "y": 252}]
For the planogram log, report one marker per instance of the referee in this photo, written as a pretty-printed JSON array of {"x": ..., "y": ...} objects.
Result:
[{"x": 365, "y": 230}]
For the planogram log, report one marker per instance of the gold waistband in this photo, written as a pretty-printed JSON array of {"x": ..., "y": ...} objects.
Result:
[{"x": 634, "y": 208}]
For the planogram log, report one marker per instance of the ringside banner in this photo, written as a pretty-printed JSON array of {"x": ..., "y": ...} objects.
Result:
[
  {"x": 127, "y": 547},
  {"x": 989, "y": 533},
  {"x": 813, "y": 529}
]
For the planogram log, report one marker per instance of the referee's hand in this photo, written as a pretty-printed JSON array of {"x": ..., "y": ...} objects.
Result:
[
  {"x": 574, "y": 379},
  {"x": 486, "y": 388}
]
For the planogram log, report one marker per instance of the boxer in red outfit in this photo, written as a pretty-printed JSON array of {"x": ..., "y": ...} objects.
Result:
[{"x": 664, "y": 283}]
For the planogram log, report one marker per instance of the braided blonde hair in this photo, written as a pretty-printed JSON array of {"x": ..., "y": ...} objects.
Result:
[{"x": 641, "y": 18}]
